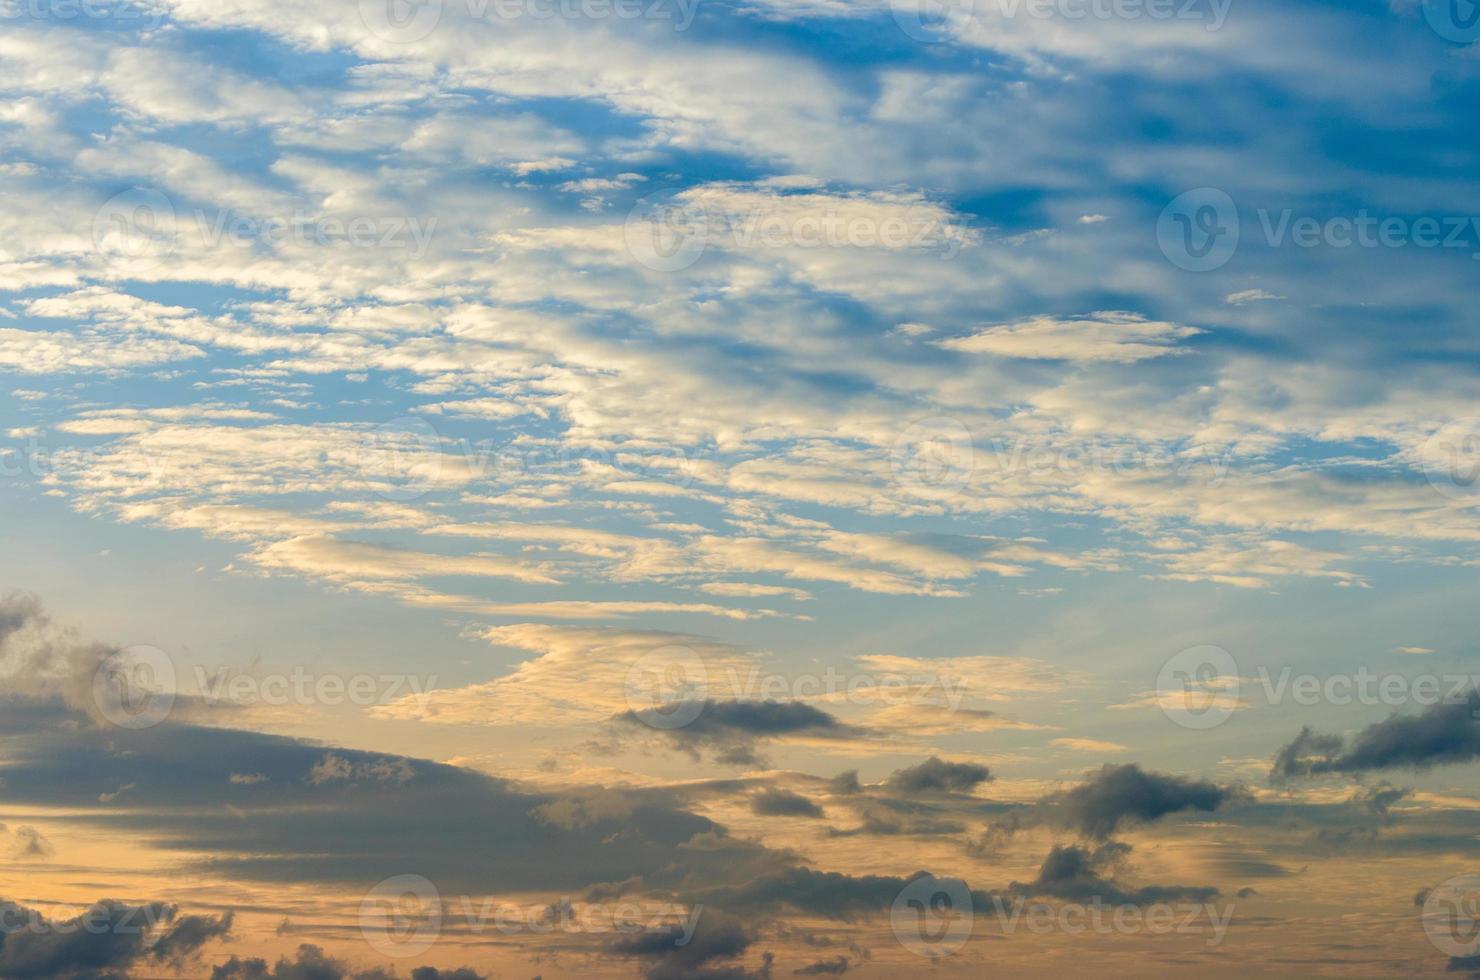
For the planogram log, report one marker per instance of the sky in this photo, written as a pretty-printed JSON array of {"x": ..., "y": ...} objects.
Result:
[{"x": 738, "y": 489}]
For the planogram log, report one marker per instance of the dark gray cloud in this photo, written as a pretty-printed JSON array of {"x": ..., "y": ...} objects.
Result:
[
  {"x": 835, "y": 967},
  {"x": 732, "y": 732},
  {"x": 677, "y": 955},
  {"x": 890, "y": 818},
  {"x": 845, "y": 783},
  {"x": 936, "y": 776},
  {"x": 310, "y": 962},
  {"x": 783, "y": 803},
  {"x": 1122, "y": 794},
  {"x": 1078, "y": 874},
  {"x": 471, "y": 832},
  {"x": 109, "y": 940},
  {"x": 1441, "y": 734},
  {"x": 827, "y": 893}
]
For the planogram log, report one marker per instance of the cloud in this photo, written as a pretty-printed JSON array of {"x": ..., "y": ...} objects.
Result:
[
  {"x": 782, "y": 803},
  {"x": 733, "y": 731},
  {"x": 1112, "y": 338},
  {"x": 1077, "y": 874},
  {"x": 936, "y": 776},
  {"x": 678, "y": 953},
  {"x": 581, "y": 675},
  {"x": 310, "y": 962},
  {"x": 30, "y": 844},
  {"x": 110, "y": 939},
  {"x": 1117, "y": 795},
  {"x": 1447, "y": 733}
]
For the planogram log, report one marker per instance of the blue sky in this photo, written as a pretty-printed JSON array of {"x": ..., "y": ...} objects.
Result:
[{"x": 1014, "y": 347}]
